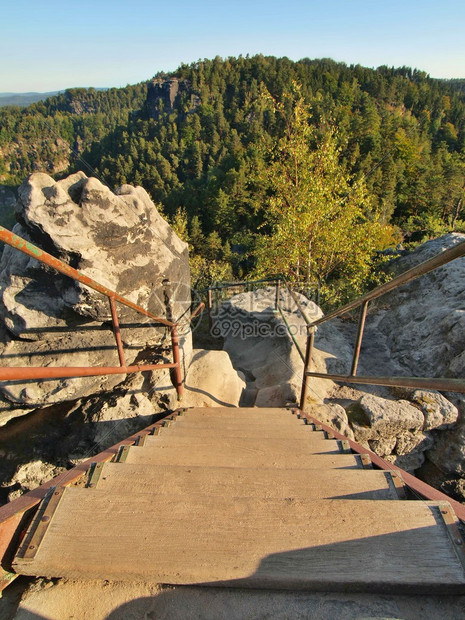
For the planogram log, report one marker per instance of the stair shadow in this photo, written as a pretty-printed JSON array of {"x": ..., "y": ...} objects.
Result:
[
  {"x": 309, "y": 573},
  {"x": 221, "y": 403}
]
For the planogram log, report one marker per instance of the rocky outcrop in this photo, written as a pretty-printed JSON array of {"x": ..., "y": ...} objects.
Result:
[
  {"x": 7, "y": 204},
  {"x": 448, "y": 452},
  {"x": 390, "y": 417},
  {"x": 424, "y": 325},
  {"x": 166, "y": 95},
  {"x": 46, "y": 319},
  {"x": 439, "y": 412},
  {"x": 400, "y": 431},
  {"x": 212, "y": 381},
  {"x": 260, "y": 346}
]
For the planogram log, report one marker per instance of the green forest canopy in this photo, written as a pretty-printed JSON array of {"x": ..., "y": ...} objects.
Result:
[{"x": 399, "y": 131}]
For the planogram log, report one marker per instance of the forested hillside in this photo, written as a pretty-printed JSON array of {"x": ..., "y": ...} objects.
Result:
[{"x": 199, "y": 144}]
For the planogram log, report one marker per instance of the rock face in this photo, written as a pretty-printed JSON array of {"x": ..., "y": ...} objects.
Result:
[
  {"x": 389, "y": 417},
  {"x": 167, "y": 94},
  {"x": 425, "y": 322},
  {"x": 256, "y": 338},
  {"x": 7, "y": 203},
  {"x": 439, "y": 412},
  {"x": 399, "y": 430},
  {"x": 212, "y": 381},
  {"x": 46, "y": 319},
  {"x": 448, "y": 452}
]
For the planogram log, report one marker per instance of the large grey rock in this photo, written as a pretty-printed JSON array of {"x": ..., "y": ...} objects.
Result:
[
  {"x": 409, "y": 462},
  {"x": 334, "y": 416},
  {"x": 389, "y": 417},
  {"x": 212, "y": 381},
  {"x": 260, "y": 345},
  {"x": 121, "y": 416},
  {"x": 448, "y": 452},
  {"x": 383, "y": 446},
  {"x": 118, "y": 239},
  {"x": 413, "y": 442},
  {"x": 425, "y": 322},
  {"x": 439, "y": 412}
]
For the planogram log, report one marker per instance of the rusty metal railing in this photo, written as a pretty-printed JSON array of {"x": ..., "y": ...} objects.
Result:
[
  {"x": 432, "y": 383},
  {"x": 26, "y": 373}
]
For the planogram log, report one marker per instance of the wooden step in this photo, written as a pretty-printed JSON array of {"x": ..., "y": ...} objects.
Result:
[
  {"x": 243, "y": 414},
  {"x": 240, "y": 411},
  {"x": 269, "y": 431},
  {"x": 252, "y": 542},
  {"x": 308, "y": 444},
  {"x": 236, "y": 482},
  {"x": 201, "y": 454},
  {"x": 237, "y": 422}
]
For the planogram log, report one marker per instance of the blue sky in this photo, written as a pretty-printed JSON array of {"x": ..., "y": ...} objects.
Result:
[{"x": 52, "y": 45}]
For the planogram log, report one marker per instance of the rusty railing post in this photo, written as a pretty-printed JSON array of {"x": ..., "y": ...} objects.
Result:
[
  {"x": 210, "y": 307},
  {"x": 117, "y": 332},
  {"x": 177, "y": 376},
  {"x": 358, "y": 342},
  {"x": 276, "y": 303},
  {"x": 307, "y": 366}
]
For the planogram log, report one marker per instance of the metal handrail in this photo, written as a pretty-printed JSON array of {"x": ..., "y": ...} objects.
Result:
[
  {"x": 32, "y": 250},
  {"x": 423, "y": 268},
  {"x": 435, "y": 383},
  {"x": 26, "y": 373}
]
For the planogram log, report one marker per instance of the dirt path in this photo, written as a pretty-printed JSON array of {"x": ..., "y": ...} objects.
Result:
[{"x": 103, "y": 600}]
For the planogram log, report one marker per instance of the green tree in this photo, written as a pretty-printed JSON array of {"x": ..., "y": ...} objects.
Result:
[{"x": 320, "y": 222}]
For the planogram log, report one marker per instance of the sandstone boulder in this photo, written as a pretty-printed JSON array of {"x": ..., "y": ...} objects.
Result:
[
  {"x": 118, "y": 239},
  {"x": 409, "y": 462},
  {"x": 212, "y": 381},
  {"x": 334, "y": 416},
  {"x": 439, "y": 412},
  {"x": 389, "y": 417},
  {"x": 425, "y": 322},
  {"x": 448, "y": 452},
  {"x": 412, "y": 442},
  {"x": 383, "y": 446},
  {"x": 30, "y": 476},
  {"x": 260, "y": 345}
]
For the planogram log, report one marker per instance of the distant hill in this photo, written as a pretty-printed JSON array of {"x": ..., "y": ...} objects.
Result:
[
  {"x": 197, "y": 139},
  {"x": 456, "y": 84},
  {"x": 24, "y": 99}
]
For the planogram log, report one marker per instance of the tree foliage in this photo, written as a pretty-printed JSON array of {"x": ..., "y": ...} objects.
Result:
[
  {"x": 399, "y": 130},
  {"x": 321, "y": 220}
]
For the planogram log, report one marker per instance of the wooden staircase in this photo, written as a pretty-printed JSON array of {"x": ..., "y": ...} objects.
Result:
[{"x": 246, "y": 498}]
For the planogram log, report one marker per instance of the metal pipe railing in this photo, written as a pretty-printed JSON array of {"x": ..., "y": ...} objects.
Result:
[
  {"x": 30, "y": 373},
  {"x": 297, "y": 303},
  {"x": 423, "y": 268},
  {"x": 26, "y": 373},
  {"x": 431, "y": 383},
  {"x": 420, "y": 383},
  {"x": 32, "y": 250}
]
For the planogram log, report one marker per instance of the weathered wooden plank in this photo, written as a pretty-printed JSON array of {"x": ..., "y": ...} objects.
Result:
[
  {"x": 260, "y": 422},
  {"x": 202, "y": 431},
  {"x": 418, "y": 486},
  {"x": 287, "y": 543},
  {"x": 232, "y": 413},
  {"x": 201, "y": 454},
  {"x": 233, "y": 454},
  {"x": 308, "y": 444},
  {"x": 240, "y": 411},
  {"x": 237, "y": 482}
]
